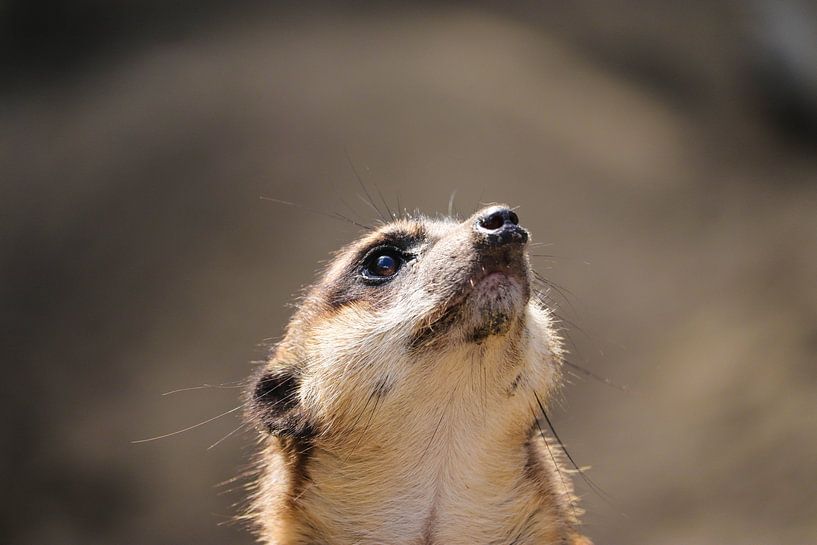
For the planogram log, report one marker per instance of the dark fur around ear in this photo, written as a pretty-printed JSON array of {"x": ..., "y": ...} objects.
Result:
[{"x": 274, "y": 404}]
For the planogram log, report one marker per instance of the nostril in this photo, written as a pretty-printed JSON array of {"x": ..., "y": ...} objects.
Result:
[
  {"x": 498, "y": 218},
  {"x": 499, "y": 225},
  {"x": 493, "y": 221}
]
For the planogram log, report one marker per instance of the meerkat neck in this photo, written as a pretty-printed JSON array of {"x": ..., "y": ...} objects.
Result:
[
  {"x": 383, "y": 491},
  {"x": 458, "y": 473}
]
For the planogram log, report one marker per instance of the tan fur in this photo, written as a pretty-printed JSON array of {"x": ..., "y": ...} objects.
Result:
[{"x": 430, "y": 445}]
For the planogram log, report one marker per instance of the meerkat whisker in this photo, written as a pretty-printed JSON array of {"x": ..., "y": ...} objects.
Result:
[
  {"x": 194, "y": 426},
  {"x": 236, "y": 430}
]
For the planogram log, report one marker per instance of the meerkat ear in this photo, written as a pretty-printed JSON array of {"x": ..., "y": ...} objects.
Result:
[{"x": 275, "y": 403}]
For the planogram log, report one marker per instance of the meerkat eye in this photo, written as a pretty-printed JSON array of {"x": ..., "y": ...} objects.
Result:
[{"x": 382, "y": 263}]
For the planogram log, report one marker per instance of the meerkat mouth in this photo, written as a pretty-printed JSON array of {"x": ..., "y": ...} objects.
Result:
[
  {"x": 493, "y": 298},
  {"x": 487, "y": 302}
]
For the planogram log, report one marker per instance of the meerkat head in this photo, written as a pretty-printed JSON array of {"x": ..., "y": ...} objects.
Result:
[{"x": 413, "y": 310}]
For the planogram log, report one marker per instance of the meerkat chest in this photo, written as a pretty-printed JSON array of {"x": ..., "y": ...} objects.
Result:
[
  {"x": 447, "y": 485},
  {"x": 400, "y": 504}
]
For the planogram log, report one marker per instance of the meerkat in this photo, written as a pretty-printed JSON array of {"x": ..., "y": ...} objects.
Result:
[{"x": 400, "y": 408}]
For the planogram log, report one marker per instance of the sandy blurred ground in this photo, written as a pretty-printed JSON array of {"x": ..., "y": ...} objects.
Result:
[{"x": 667, "y": 155}]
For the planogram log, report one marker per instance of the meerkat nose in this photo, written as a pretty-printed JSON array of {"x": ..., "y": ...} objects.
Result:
[{"x": 499, "y": 225}]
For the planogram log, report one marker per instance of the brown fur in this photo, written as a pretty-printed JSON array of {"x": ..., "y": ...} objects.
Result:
[{"x": 404, "y": 411}]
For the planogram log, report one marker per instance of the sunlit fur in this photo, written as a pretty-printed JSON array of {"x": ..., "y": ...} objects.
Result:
[{"x": 431, "y": 443}]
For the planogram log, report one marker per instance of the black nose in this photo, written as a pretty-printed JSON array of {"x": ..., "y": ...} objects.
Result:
[{"x": 500, "y": 225}]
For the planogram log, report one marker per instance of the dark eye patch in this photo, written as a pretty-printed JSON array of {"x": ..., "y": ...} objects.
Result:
[
  {"x": 382, "y": 263},
  {"x": 374, "y": 265}
]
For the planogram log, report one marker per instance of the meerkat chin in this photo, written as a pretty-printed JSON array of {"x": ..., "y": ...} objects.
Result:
[{"x": 400, "y": 408}]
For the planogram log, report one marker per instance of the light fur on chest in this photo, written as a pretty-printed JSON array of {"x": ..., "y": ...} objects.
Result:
[
  {"x": 459, "y": 490},
  {"x": 444, "y": 460}
]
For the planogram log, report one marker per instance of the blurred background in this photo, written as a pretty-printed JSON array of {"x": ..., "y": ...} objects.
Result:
[{"x": 665, "y": 152}]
